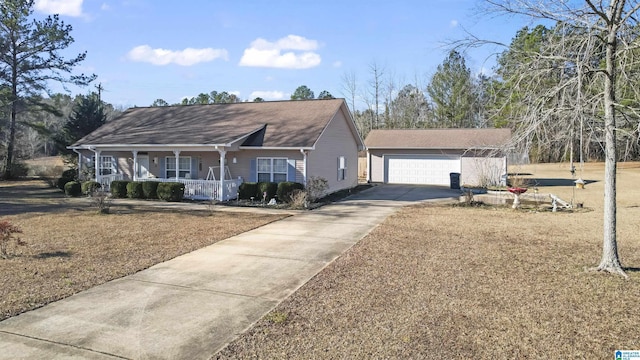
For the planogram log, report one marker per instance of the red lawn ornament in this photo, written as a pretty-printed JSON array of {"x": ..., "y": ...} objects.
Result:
[{"x": 516, "y": 191}]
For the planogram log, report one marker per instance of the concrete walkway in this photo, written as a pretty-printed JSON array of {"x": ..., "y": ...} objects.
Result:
[{"x": 192, "y": 306}]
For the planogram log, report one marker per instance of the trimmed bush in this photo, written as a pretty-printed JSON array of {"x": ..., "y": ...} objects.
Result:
[
  {"x": 73, "y": 188},
  {"x": 62, "y": 182},
  {"x": 247, "y": 190},
  {"x": 285, "y": 190},
  {"x": 89, "y": 187},
  {"x": 269, "y": 187},
  {"x": 150, "y": 189},
  {"x": 19, "y": 170},
  {"x": 70, "y": 173},
  {"x": 170, "y": 191},
  {"x": 119, "y": 189},
  {"x": 134, "y": 190}
]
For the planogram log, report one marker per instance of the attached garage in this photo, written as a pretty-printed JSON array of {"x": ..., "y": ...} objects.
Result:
[
  {"x": 429, "y": 156},
  {"x": 420, "y": 169}
]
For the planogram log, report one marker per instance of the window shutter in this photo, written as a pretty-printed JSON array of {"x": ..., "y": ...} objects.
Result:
[
  {"x": 338, "y": 168},
  {"x": 163, "y": 169},
  {"x": 194, "y": 167},
  {"x": 254, "y": 172},
  {"x": 114, "y": 164},
  {"x": 291, "y": 170}
]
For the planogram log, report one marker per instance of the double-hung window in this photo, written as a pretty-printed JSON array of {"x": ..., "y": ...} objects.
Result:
[
  {"x": 342, "y": 168},
  {"x": 272, "y": 169},
  {"x": 107, "y": 165},
  {"x": 184, "y": 167}
]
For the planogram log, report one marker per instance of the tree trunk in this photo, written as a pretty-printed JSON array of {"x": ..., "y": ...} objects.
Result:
[
  {"x": 610, "y": 261},
  {"x": 8, "y": 164}
]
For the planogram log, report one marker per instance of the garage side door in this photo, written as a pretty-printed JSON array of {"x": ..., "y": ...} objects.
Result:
[{"x": 426, "y": 170}]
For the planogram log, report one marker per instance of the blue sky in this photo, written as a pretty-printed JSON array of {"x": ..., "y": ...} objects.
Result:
[{"x": 143, "y": 50}]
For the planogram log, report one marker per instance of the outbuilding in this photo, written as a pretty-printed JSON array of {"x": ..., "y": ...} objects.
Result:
[{"x": 430, "y": 156}]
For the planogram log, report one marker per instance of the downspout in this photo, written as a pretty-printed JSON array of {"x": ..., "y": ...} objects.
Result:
[
  {"x": 304, "y": 171},
  {"x": 368, "y": 167}
]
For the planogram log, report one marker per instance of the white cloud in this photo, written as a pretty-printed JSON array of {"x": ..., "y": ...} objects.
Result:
[
  {"x": 453, "y": 23},
  {"x": 186, "y": 57},
  {"x": 62, "y": 7},
  {"x": 337, "y": 64},
  {"x": 105, "y": 7},
  {"x": 267, "y": 95},
  {"x": 263, "y": 53}
]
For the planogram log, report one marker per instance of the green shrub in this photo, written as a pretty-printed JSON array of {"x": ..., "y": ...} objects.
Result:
[
  {"x": 119, "y": 188},
  {"x": 62, "y": 182},
  {"x": 89, "y": 187},
  {"x": 285, "y": 190},
  {"x": 73, "y": 188},
  {"x": 150, "y": 189},
  {"x": 247, "y": 190},
  {"x": 269, "y": 187},
  {"x": 19, "y": 170},
  {"x": 70, "y": 173},
  {"x": 170, "y": 191},
  {"x": 134, "y": 190}
]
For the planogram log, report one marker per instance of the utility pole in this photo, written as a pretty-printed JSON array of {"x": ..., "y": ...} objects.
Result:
[{"x": 100, "y": 88}]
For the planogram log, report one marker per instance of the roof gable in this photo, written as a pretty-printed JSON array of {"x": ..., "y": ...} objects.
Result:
[
  {"x": 438, "y": 138},
  {"x": 266, "y": 124}
]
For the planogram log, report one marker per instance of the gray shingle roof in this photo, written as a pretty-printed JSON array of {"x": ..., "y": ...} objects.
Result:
[
  {"x": 438, "y": 138},
  {"x": 284, "y": 124}
]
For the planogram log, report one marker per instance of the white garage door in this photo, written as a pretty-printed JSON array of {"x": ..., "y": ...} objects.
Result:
[{"x": 427, "y": 170}]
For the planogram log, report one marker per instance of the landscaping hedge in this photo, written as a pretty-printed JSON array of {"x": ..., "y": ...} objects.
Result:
[
  {"x": 134, "y": 190},
  {"x": 119, "y": 188},
  {"x": 62, "y": 182},
  {"x": 285, "y": 190},
  {"x": 247, "y": 190},
  {"x": 269, "y": 187},
  {"x": 73, "y": 188},
  {"x": 150, "y": 189},
  {"x": 170, "y": 191},
  {"x": 90, "y": 186},
  {"x": 70, "y": 174}
]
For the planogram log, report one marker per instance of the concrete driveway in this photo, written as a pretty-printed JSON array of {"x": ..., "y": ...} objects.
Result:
[{"x": 192, "y": 306}]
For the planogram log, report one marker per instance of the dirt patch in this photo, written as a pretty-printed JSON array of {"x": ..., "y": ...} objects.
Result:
[
  {"x": 70, "y": 248},
  {"x": 438, "y": 282}
]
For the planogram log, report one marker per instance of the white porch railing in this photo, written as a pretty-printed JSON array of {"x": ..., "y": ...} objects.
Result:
[
  {"x": 205, "y": 189},
  {"x": 105, "y": 180}
]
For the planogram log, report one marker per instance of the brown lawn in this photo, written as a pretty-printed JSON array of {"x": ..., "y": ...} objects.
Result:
[
  {"x": 70, "y": 248},
  {"x": 436, "y": 281}
]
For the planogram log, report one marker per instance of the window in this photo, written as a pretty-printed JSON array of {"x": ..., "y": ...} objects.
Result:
[
  {"x": 342, "y": 168},
  {"x": 107, "y": 165},
  {"x": 272, "y": 170},
  {"x": 184, "y": 163}
]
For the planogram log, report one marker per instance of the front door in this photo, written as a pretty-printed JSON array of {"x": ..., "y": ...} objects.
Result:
[{"x": 142, "y": 172}]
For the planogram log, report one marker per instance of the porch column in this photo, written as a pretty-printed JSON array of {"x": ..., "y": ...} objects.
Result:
[
  {"x": 97, "y": 165},
  {"x": 177, "y": 154},
  {"x": 223, "y": 154},
  {"x": 304, "y": 171},
  {"x": 135, "y": 165},
  {"x": 80, "y": 165}
]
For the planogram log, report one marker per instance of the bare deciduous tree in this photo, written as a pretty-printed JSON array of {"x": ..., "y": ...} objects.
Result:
[{"x": 590, "y": 41}]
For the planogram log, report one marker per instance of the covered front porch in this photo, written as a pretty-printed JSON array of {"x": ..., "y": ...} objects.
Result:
[{"x": 156, "y": 165}]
